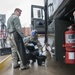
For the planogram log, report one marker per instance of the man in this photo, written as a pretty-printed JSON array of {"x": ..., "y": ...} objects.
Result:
[
  {"x": 33, "y": 38},
  {"x": 17, "y": 40}
]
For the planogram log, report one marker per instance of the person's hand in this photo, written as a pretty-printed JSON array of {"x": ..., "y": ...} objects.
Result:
[
  {"x": 26, "y": 44},
  {"x": 31, "y": 44},
  {"x": 24, "y": 39},
  {"x": 41, "y": 49}
]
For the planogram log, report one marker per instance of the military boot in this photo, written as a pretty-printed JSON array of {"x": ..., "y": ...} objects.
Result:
[
  {"x": 15, "y": 64},
  {"x": 23, "y": 67}
]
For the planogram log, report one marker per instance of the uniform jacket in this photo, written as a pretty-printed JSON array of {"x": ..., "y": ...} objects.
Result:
[
  {"x": 13, "y": 24},
  {"x": 30, "y": 38}
]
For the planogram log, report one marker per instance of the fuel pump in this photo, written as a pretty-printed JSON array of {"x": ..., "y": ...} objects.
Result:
[{"x": 70, "y": 45}]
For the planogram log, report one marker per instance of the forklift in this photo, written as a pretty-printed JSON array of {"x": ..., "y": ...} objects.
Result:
[{"x": 57, "y": 17}]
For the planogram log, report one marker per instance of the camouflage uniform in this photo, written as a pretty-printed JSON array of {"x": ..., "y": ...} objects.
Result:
[
  {"x": 35, "y": 41},
  {"x": 30, "y": 38},
  {"x": 16, "y": 38}
]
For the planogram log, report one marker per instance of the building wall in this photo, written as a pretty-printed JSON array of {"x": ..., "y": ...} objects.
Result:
[{"x": 26, "y": 31}]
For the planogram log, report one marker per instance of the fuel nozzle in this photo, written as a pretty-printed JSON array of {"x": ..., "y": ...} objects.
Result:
[
  {"x": 70, "y": 27},
  {"x": 74, "y": 16}
]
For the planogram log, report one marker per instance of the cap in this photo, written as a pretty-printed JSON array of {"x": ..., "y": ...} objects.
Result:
[{"x": 33, "y": 32}]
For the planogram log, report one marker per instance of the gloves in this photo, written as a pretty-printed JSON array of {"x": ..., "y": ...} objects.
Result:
[
  {"x": 40, "y": 53},
  {"x": 24, "y": 39},
  {"x": 31, "y": 44}
]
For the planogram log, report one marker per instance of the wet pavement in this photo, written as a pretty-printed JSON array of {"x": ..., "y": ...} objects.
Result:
[
  {"x": 51, "y": 67},
  {"x": 3, "y": 57}
]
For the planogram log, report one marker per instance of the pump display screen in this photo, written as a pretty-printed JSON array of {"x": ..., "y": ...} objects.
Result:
[{"x": 70, "y": 38}]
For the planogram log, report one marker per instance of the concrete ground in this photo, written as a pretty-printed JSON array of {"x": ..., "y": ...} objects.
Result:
[
  {"x": 51, "y": 67},
  {"x": 3, "y": 57}
]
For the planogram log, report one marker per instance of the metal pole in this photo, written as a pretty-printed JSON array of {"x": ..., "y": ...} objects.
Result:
[{"x": 46, "y": 19}]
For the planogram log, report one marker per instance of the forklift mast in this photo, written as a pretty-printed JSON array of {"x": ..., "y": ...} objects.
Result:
[{"x": 38, "y": 18}]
